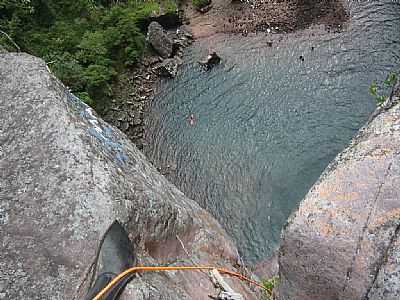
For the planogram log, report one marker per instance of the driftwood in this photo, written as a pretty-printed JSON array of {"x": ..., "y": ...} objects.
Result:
[{"x": 227, "y": 292}]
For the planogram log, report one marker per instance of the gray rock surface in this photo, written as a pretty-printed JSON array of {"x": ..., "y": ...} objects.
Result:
[
  {"x": 267, "y": 268},
  {"x": 65, "y": 175},
  {"x": 386, "y": 283},
  {"x": 185, "y": 31},
  {"x": 344, "y": 240},
  {"x": 168, "y": 68},
  {"x": 159, "y": 40},
  {"x": 184, "y": 37}
]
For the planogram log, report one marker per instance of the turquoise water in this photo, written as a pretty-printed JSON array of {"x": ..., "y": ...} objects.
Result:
[{"x": 266, "y": 122}]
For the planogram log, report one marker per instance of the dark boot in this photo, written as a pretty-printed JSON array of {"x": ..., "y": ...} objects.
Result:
[{"x": 115, "y": 255}]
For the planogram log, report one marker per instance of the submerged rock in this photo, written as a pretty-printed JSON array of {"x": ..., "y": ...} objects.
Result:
[
  {"x": 66, "y": 175},
  {"x": 159, "y": 40},
  {"x": 344, "y": 240}
]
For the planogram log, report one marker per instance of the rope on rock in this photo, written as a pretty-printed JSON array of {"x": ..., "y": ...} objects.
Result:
[{"x": 175, "y": 268}]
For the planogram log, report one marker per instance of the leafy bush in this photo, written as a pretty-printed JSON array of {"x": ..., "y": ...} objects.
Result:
[
  {"x": 270, "y": 284},
  {"x": 378, "y": 91},
  {"x": 170, "y": 6},
  {"x": 201, "y": 3},
  {"x": 85, "y": 42}
]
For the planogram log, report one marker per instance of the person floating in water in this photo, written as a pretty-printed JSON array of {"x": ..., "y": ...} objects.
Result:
[{"x": 191, "y": 119}]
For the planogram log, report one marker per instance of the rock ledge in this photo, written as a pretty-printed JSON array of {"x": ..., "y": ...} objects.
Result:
[
  {"x": 66, "y": 175},
  {"x": 344, "y": 240}
]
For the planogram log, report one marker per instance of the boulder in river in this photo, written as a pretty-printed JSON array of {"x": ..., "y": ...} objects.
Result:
[
  {"x": 159, "y": 40},
  {"x": 212, "y": 60},
  {"x": 344, "y": 240},
  {"x": 65, "y": 176}
]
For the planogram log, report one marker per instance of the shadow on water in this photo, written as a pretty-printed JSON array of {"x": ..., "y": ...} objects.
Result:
[{"x": 266, "y": 122}]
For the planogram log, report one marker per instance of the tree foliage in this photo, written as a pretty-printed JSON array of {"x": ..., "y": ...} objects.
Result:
[
  {"x": 84, "y": 42},
  {"x": 200, "y": 3}
]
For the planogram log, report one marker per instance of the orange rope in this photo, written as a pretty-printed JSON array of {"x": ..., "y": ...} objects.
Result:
[{"x": 162, "y": 268}]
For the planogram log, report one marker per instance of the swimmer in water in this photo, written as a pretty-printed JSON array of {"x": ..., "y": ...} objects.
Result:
[{"x": 191, "y": 119}]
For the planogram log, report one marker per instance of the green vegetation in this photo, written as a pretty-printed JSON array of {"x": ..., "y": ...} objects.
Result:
[
  {"x": 270, "y": 284},
  {"x": 378, "y": 91},
  {"x": 170, "y": 6},
  {"x": 201, "y": 3},
  {"x": 84, "y": 42}
]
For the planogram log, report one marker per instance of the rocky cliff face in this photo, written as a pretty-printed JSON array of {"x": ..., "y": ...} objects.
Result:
[
  {"x": 344, "y": 240},
  {"x": 65, "y": 175}
]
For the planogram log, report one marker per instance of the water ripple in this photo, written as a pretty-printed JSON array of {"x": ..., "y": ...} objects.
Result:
[{"x": 267, "y": 123}]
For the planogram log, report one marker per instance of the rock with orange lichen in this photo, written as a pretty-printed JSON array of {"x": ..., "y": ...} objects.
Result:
[{"x": 344, "y": 240}]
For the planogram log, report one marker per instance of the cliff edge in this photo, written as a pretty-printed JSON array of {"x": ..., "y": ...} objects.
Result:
[
  {"x": 65, "y": 176},
  {"x": 344, "y": 240}
]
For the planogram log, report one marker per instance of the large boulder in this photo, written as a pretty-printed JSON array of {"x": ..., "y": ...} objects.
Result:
[
  {"x": 344, "y": 240},
  {"x": 65, "y": 176},
  {"x": 159, "y": 40}
]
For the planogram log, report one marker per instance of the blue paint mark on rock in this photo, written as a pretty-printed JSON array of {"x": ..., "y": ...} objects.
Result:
[{"x": 99, "y": 129}]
